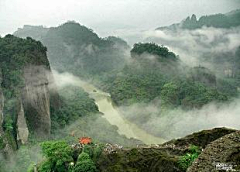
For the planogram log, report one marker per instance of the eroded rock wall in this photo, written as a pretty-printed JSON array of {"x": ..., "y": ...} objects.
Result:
[
  {"x": 36, "y": 100},
  {"x": 22, "y": 129}
]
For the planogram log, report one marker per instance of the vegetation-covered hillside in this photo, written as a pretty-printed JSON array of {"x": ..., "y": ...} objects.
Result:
[
  {"x": 137, "y": 78},
  {"x": 151, "y": 72},
  {"x": 34, "y": 109},
  {"x": 173, "y": 156},
  {"x": 77, "y": 49},
  {"x": 155, "y": 72}
]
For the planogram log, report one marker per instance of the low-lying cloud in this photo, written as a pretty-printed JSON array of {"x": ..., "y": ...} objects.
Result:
[
  {"x": 191, "y": 45},
  {"x": 175, "y": 123},
  {"x": 178, "y": 123}
]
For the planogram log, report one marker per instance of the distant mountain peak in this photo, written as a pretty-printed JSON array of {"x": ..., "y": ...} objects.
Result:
[
  {"x": 237, "y": 11},
  {"x": 231, "y": 19}
]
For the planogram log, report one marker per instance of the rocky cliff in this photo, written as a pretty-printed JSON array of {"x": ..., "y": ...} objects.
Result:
[
  {"x": 227, "y": 20},
  {"x": 25, "y": 90},
  {"x": 36, "y": 99},
  {"x": 222, "y": 154},
  {"x": 162, "y": 158}
]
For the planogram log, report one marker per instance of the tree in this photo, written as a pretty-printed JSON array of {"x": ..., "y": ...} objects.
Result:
[
  {"x": 84, "y": 164},
  {"x": 170, "y": 95},
  {"x": 58, "y": 154},
  {"x": 153, "y": 49}
]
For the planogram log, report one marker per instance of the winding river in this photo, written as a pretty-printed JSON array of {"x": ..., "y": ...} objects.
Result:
[{"x": 112, "y": 115}]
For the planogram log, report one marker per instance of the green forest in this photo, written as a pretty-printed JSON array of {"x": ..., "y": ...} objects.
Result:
[{"x": 59, "y": 85}]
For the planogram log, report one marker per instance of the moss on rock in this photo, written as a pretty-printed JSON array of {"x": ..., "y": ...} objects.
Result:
[{"x": 225, "y": 150}]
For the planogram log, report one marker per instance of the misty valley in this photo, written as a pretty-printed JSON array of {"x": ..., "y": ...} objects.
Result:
[{"x": 74, "y": 101}]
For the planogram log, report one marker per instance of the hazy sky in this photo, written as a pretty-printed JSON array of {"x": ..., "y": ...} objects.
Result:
[{"x": 106, "y": 15}]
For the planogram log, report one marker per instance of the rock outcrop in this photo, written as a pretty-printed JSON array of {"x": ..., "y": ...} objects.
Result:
[
  {"x": 201, "y": 138},
  {"x": 36, "y": 99},
  {"x": 25, "y": 93},
  {"x": 141, "y": 159},
  {"x": 160, "y": 158},
  {"x": 22, "y": 129},
  {"x": 221, "y": 154}
]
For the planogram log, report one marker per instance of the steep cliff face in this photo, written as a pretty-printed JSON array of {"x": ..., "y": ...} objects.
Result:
[
  {"x": 36, "y": 100},
  {"x": 22, "y": 129},
  {"x": 25, "y": 90}
]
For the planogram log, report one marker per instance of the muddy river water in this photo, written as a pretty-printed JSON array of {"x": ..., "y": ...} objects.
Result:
[{"x": 113, "y": 116}]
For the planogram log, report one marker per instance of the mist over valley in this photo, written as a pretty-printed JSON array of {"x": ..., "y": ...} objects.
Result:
[{"x": 160, "y": 96}]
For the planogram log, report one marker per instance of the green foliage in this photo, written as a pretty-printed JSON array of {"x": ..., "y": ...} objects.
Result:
[
  {"x": 194, "y": 90},
  {"x": 83, "y": 156},
  {"x": 97, "y": 151},
  {"x": 58, "y": 154},
  {"x": 31, "y": 168},
  {"x": 137, "y": 159},
  {"x": 202, "y": 75},
  {"x": 84, "y": 164},
  {"x": 88, "y": 149},
  {"x": 189, "y": 94},
  {"x": 15, "y": 55},
  {"x": 144, "y": 81},
  {"x": 46, "y": 166},
  {"x": 228, "y": 86},
  {"x": 94, "y": 151},
  {"x": 186, "y": 160},
  {"x": 8, "y": 124},
  {"x": 22, "y": 159},
  {"x": 75, "y": 103},
  {"x": 136, "y": 85},
  {"x": 80, "y": 113},
  {"x": 2, "y": 144},
  {"x": 170, "y": 95},
  {"x": 153, "y": 49},
  {"x": 10, "y": 139},
  {"x": 87, "y": 54}
]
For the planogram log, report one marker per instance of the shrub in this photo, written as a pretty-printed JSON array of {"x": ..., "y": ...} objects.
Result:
[
  {"x": 2, "y": 144},
  {"x": 186, "y": 160},
  {"x": 58, "y": 154},
  {"x": 84, "y": 164}
]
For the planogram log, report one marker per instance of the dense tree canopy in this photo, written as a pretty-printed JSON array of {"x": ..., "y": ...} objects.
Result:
[{"x": 152, "y": 49}]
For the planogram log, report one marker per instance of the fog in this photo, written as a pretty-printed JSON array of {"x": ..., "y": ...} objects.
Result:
[
  {"x": 110, "y": 113},
  {"x": 191, "y": 45},
  {"x": 106, "y": 17},
  {"x": 134, "y": 21},
  {"x": 171, "y": 124},
  {"x": 179, "y": 123}
]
